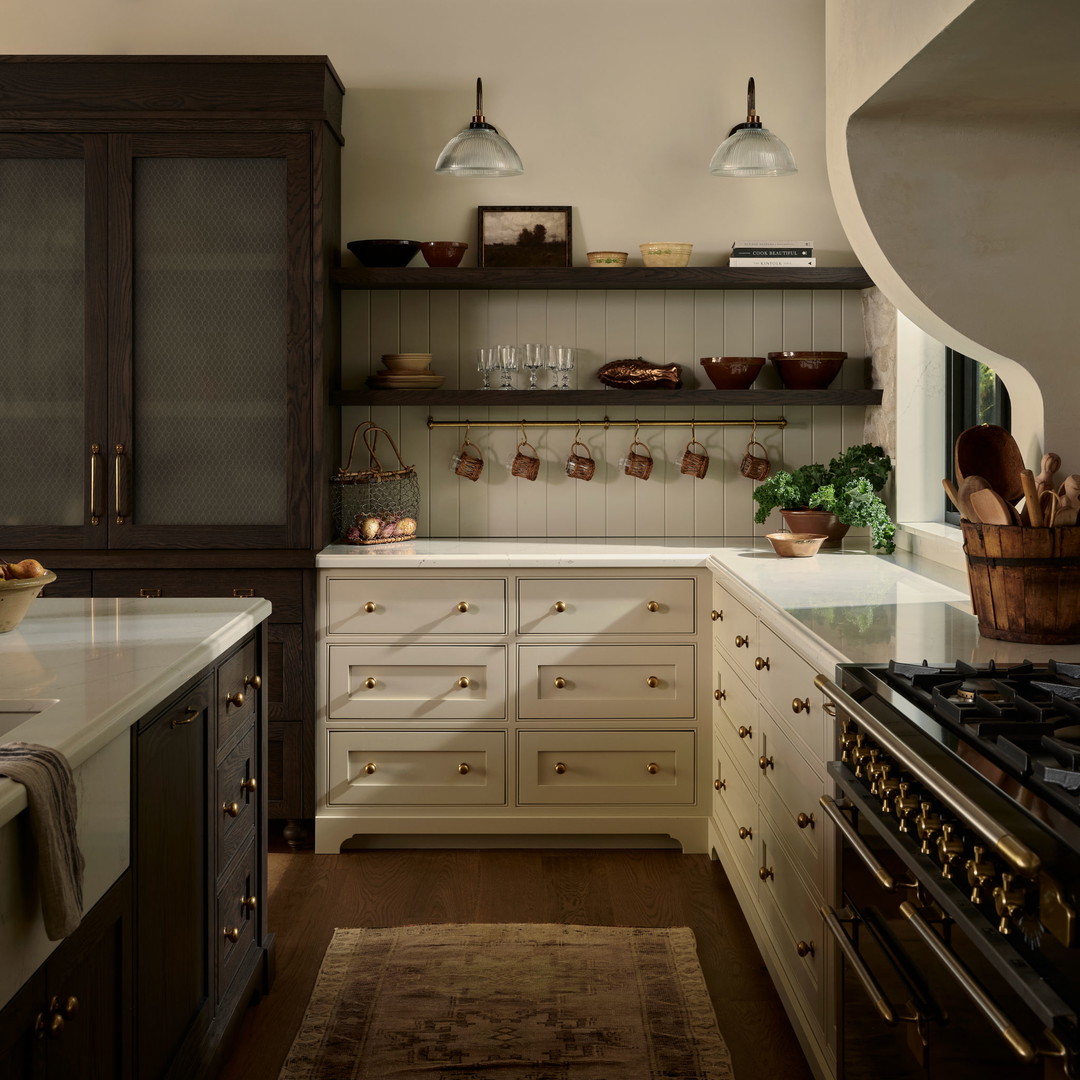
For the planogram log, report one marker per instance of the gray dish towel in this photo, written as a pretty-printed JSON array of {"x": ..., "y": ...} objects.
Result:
[{"x": 50, "y": 793}]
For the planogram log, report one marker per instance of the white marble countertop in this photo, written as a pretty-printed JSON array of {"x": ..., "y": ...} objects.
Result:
[{"x": 99, "y": 665}]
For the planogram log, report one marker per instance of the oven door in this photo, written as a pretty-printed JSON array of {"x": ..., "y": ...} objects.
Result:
[{"x": 918, "y": 1000}]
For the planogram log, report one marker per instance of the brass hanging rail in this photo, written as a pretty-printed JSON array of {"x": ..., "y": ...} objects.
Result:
[{"x": 606, "y": 422}]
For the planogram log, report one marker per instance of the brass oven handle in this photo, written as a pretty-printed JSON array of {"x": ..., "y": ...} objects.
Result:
[
  {"x": 120, "y": 515},
  {"x": 885, "y": 879},
  {"x": 95, "y": 456},
  {"x": 877, "y": 996},
  {"x": 1020, "y": 857},
  {"x": 1020, "y": 1046}
]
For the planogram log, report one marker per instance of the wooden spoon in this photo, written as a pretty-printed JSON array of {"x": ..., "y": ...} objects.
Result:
[
  {"x": 991, "y": 452},
  {"x": 1049, "y": 467},
  {"x": 992, "y": 508},
  {"x": 965, "y": 489},
  {"x": 1032, "y": 507},
  {"x": 954, "y": 496}
]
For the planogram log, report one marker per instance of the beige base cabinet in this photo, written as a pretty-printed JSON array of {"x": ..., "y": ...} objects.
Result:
[
  {"x": 523, "y": 701},
  {"x": 771, "y": 741}
]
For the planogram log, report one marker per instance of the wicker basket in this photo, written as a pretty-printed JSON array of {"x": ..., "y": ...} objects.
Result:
[
  {"x": 752, "y": 466},
  {"x": 638, "y": 465},
  {"x": 374, "y": 505},
  {"x": 693, "y": 463},
  {"x": 664, "y": 253},
  {"x": 579, "y": 463}
]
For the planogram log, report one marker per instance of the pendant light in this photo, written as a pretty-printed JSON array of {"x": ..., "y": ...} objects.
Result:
[
  {"x": 479, "y": 150},
  {"x": 752, "y": 150}
]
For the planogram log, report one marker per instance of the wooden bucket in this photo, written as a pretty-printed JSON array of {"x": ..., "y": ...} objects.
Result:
[{"x": 1025, "y": 582}]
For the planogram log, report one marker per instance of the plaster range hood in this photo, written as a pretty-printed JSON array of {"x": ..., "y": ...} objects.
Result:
[{"x": 956, "y": 182}]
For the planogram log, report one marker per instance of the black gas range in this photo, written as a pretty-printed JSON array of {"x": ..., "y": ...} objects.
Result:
[{"x": 959, "y": 826}]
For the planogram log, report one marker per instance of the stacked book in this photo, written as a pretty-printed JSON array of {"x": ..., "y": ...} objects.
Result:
[{"x": 793, "y": 253}]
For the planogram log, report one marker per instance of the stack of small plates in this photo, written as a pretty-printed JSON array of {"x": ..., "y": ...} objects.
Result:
[{"x": 407, "y": 371}]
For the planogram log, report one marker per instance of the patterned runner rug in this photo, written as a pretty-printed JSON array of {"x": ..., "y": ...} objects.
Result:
[{"x": 509, "y": 1001}]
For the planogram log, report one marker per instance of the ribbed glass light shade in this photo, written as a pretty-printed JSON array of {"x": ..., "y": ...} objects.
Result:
[
  {"x": 752, "y": 150},
  {"x": 479, "y": 150}
]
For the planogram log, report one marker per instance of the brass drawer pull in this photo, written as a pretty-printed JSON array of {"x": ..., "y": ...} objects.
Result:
[
  {"x": 560, "y": 682},
  {"x": 241, "y": 593},
  {"x": 236, "y": 699},
  {"x": 464, "y": 682},
  {"x": 804, "y": 820},
  {"x": 121, "y": 515},
  {"x": 652, "y": 605},
  {"x": 231, "y": 809},
  {"x": 652, "y": 682},
  {"x": 720, "y": 695},
  {"x": 254, "y": 681},
  {"x": 716, "y": 616},
  {"x": 745, "y": 833},
  {"x": 463, "y": 768},
  {"x": 765, "y": 763},
  {"x": 559, "y": 606},
  {"x": 652, "y": 768},
  {"x": 249, "y": 784},
  {"x": 149, "y": 593},
  {"x": 370, "y": 683},
  {"x": 369, "y": 607},
  {"x": 804, "y": 948},
  {"x": 249, "y": 903},
  {"x": 745, "y": 732},
  {"x": 764, "y": 872},
  {"x": 369, "y": 768},
  {"x": 761, "y": 663},
  {"x": 720, "y": 785},
  {"x": 742, "y": 642},
  {"x": 798, "y": 706},
  {"x": 232, "y": 934},
  {"x": 463, "y": 606},
  {"x": 187, "y": 718},
  {"x": 95, "y": 456},
  {"x": 560, "y": 768}
]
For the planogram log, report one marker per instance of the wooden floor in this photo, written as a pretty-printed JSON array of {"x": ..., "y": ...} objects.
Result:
[{"x": 312, "y": 894}]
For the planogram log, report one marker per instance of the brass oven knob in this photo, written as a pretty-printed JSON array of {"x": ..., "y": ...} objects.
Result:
[
  {"x": 926, "y": 825},
  {"x": 369, "y": 768},
  {"x": 764, "y": 872},
  {"x": 652, "y": 682},
  {"x": 236, "y": 699},
  {"x": 463, "y": 768},
  {"x": 905, "y": 805},
  {"x": 652, "y": 605},
  {"x": 560, "y": 606},
  {"x": 761, "y": 663},
  {"x": 369, "y": 607},
  {"x": 464, "y": 682},
  {"x": 232, "y": 934},
  {"x": 805, "y": 820},
  {"x": 745, "y": 833},
  {"x": 560, "y": 682},
  {"x": 1008, "y": 900},
  {"x": 745, "y": 732},
  {"x": 652, "y": 768},
  {"x": 720, "y": 785},
  {"x": 560, "y": 768},
  {"x": 949, "y": 850},
  {"x": 742, "y": 642},
  {"x": 254, "y": 681},
  {"x": 887, "y": 786},
  {"x": 463, "y": 606},
  {"x": 720, "y": 695},
  {"x": 370, "y": 683},
  {"x": 804, "y": 948},
  {"x": 765, "y": 763},
  {"x": 798, "y": 706},
  {"x": 231, "y": 809},
  {"x": 979, "y": 872},
  {"x": 716, "y": 616}
]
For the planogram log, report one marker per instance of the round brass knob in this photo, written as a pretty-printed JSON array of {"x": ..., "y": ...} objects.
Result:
[
  {"x": 249, "y": 784},
  {"x": 370, "y": 683},
  {"x": 745, "y": 833},
  {"x": 803, "y": 820},
  {"x": 559, "y": 606},
  {"x": 652, "y": 605},
  {"x": 761, "y": 663},
  {"x": 231, "y": 808},
  {"x": 463, "y": 606},
  {"x": 464, "y": 682},
  {"x": 764, "y": 872},
  {"x": 765, "y": 763},
  {"x": 720, "y": 695},
  {"x": 369, "y": 768},
  {"x": 71, "y": 1006},
  {"x": 560, "y": 768},
  {"x": 232, "y": 934},
  {"x": 56, "y": 1026},
  {"x": 716, "y": 616},
  {"x": 463, "y": 768},
  {"x": 652, "y": 682},
  {"x": 369, "y": 607},
  {"x": 236, "y": 699},
  {"x": 742, "y": 642},
  {"x": 249, "y": 903},
  {"x": 798, "y": 706},
  {"x": 745, "y": 732},
  {"x": 652, "y": 768},
  {"x": 720, "y": 785},
  {"x": 804, "y": 948},
  {"x": 560, "y": 682},
  {"x": 254, "y": 681}
]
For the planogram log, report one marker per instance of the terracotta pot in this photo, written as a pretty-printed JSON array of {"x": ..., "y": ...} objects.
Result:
[{"x": 816, "y": 521}]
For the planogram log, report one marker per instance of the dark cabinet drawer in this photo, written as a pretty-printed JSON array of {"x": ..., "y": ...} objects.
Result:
[
  {"x": 237, "y": 799},
  {"x": 238, "y": 690},
  {"x": 238, "y": 929}
]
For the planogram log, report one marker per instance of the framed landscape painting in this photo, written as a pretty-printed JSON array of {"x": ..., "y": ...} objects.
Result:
[{"x": 523, "y": 236}]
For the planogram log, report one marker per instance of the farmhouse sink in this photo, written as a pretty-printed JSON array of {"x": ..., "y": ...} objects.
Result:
[{"x": 16, "y": 711}]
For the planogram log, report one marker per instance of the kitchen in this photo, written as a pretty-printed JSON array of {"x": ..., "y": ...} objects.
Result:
[{"x": 405, "y": 93}]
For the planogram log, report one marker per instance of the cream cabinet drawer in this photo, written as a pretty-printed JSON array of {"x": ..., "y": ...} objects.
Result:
[
  {"x": 735, "y": 811},
  {"x": 735, "y": 631},
  {"x": 606, "y": 605},
  {"x": 787, "y": 684},
  {"x": 610, "y": 767},
  {"x": 417, "y": 682},
  {"x": 736, "y": 715},
  {"x": 425, "y": 768},
  {"x": 415, "y": 605},
  {"x": 623, "y": 682}
]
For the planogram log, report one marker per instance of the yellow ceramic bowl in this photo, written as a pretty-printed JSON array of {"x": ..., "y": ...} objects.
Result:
[{"x": 16, "y": 596}]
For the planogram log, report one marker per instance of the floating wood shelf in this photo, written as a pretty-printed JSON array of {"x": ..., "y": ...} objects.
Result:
[
  {"x": 612, "y": 398},
  {"x": 611, "y": 277}
]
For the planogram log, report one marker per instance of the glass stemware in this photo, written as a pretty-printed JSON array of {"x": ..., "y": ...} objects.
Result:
[
  {"x": 560, "y": 362},
  {"x": 508, "y": 364},
  {"x": 487, "y": 360},
  {"x": 533, "y": 358}
]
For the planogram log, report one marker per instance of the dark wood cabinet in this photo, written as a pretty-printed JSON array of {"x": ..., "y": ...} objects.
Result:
[{"x": 170, "y": 226}]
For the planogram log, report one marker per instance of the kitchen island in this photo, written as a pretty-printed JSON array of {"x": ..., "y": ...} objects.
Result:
[{"x": 155, "y": 703}]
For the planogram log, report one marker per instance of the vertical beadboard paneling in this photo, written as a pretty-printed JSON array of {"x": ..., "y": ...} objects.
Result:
[
  {"x": 446, "y": 341},
  {"x": 355, "y": 340},
  {"x": 708, "y": 332},
  {"x": 590, "y": 496},
  {"x": 679, "y": 489},
  {"x": 738, "y": 490},
  {"x": 650, "y": 321},
  {"x": 798, "y": 319}
]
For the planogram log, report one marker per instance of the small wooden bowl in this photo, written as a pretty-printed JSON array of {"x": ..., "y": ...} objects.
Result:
[{"x": 795, "y": 545}]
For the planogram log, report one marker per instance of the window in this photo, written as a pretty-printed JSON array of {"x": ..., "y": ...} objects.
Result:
[{"x": 974, "y": 395}]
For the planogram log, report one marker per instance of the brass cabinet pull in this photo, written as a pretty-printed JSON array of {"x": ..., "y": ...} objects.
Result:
[
  {"x": 765, "y": 763},
  {"x": 720, "y": 785},
  {"x": 716, "y": 616},
  {"x": 369, "y": 768},
  {"x": 149, "y": 593},
  {"x": 187, "y": 718},
  {"x": 56, "y": 1026},
  {"x": 236, "y": 699},
  {"x": 858, "y": 966},
  {"x": 560, "y": 768},
  {"x": 370, "y": 683},
  {"x": 798, "y": 706},
  {"x": 254, "y": 681},
  {"x": 742, "y": 642},
  {"x": 69, "y": 1009},
  {"x": 652, "y": 682},
  {"x": 249, "y": 903},
  {"x": 560, "y": 682},
  {"x": 804, "y": 820},
  {"x": 370, "y": 606},
  {"x": 121, "y": 517},
  {"x": 463, "y": 606},
  {"x": 720, "y": 695},
  {"x": 652, "y": 605},
  {"x": 559, "y": 606},
  {"x": 241, "y": 593},
  {"x": 95, "y": 457},
  {"x": 249, "y": 784},
  {"x": 804, "y": 948},
  {"x": 464, "y": 682},
  {"x": 232, "y": 934},
  {"x": 231, "y": 808},
  {"x": 761, "y": 663},
  {"x": 745, "y": 732},
  {"x": 652, "y": 768},
  {"x": 764, "y": 872},
  {"x": 463, "y": 768},
  {"x": 745, "y": 833}
]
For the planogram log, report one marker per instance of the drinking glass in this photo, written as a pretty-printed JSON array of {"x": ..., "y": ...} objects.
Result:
[
  {"x": 560, "y": 361},
  {"x": 533, "y": 358},
  {"x": 487, "y": 360},
  {"x": 508, "y": 364}
]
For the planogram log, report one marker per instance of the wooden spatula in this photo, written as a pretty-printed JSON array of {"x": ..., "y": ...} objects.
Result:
[{"x": 992, "y": 509}]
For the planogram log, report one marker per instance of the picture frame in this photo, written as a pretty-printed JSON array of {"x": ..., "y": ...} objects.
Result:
[{"x": 524, "y": 236}]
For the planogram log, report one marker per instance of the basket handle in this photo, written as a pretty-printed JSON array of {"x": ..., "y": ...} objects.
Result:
[
  {"x": 754, "y": 442},
  {"x": 371, "y": 437},
  {"x": 352, "y": 446}
]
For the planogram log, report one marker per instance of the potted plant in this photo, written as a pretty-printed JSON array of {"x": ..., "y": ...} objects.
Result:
[{"x": 845, "y": 489}]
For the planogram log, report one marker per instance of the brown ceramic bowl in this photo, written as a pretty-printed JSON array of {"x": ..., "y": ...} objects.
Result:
[
  {"x": 795, "y": 545},
  {"x": 443, "y": 252},
  {"x": 732, "y": 372},
  {"x": 807, "y": 370},
  {"x": 384, "y": 252}
]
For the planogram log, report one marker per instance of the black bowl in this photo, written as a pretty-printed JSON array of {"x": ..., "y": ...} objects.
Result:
[{"x": 384, "y": 252}]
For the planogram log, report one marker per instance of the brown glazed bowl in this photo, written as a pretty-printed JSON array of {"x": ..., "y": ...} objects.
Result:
[
  {"x": 443, "y": 252},
  {"x": 384, "y": 252},
  {"x": 807, "y": 370},
  {"x": 732, "y": 372}
]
